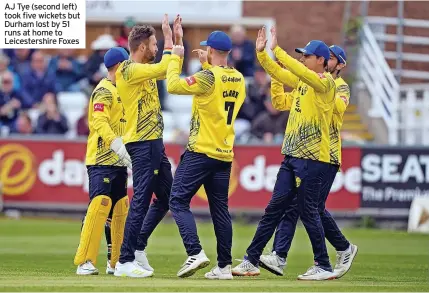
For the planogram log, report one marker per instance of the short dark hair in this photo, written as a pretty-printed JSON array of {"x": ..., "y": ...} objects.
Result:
[{"x": 139, "y": 34}]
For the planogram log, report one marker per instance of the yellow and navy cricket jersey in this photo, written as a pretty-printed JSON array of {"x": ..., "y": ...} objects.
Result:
[
  {"x": 342, "y": 98},
  {"x": 106, "y": 121},
  {"x": 219, "y": 93},
  {"x": 307, "y": 131},
  {"x": 136, "y": 83},
  {"x": 283, "y": 102}
]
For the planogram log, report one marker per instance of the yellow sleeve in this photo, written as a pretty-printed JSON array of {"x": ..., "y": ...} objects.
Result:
[
  {"x": 102, "y": 103},
  {"x": 200, "y": 83},
  {"x": 342, "y": 99},
  {"x": 275, "y": 71},
  {"x": 319, "y": 82},
  {"x": 180, "y": 70},
  {"x": 206, "y": 65},
  {"x": 281, "y": 101},
  {"x": 134, "y": 73}
]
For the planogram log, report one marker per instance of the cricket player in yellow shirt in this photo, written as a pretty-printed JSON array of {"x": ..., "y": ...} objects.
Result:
[
  {"x": 136, "y": 82},
  {"x": 218, "y": 94},
  {"x": 306, "y": 148},
  {"x": 275, "y": 262},
  {"x": 107, "y": 161}
]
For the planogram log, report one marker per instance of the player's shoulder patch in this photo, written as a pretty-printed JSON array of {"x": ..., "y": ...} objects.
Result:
[
  {"x": 190, "y": 80},
  {"x": 98, "y": 107},
  {"x": 344, "y": 98}
]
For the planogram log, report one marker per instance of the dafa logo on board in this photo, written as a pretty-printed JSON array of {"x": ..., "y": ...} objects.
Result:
[{"x": 17, "y": 164}]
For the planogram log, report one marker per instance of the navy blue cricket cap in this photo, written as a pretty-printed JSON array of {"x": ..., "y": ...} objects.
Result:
[
  {"x": 315, "y": 47},
  {"x": 219, "y": 41},
  {"x": 114, "y": 56},
  {"x": 339, "y": 53}
]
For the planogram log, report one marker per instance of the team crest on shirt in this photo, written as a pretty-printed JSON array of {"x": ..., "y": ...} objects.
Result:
[
  {"x": 297, "y": 181},
  {"x": 190, "y": 80},
  {"x": 303, "y": 90},
  {"x": 151, "y": 84}
]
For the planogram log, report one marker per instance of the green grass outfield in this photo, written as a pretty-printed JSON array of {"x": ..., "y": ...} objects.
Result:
[{"x": 37, "y": 255}]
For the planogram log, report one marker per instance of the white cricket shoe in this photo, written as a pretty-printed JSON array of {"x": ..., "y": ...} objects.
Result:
[
  {"x": 193, "y": 264},
  {"x": 273, "y": 263},
  {"x": 220, "y": 274},
  {"x": 316, "y": 273},
  {"x": 141, "y": 259},
  {"x": 132, "y": 270},
  {"x": 86, "y": 268},
  {"x": 246, "y": 268},
  {"x": 109, "y": 269},
  {"x": 345, "y": 260}
]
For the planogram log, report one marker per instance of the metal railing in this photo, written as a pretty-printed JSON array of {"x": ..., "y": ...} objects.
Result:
[
  {"x": 379, "y": 27},
  {"x": 403, "y": 107},
  {"x": 380, "y": 82}
]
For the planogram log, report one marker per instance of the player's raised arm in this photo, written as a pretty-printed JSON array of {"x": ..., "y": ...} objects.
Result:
[
  {"x": 269, "y": 65},
  {"x": 178, "y": 40},
  {"x": 143, "y": 48},
  {"x": 318, "y": 81},
  {"x": 199, "y": 83}
]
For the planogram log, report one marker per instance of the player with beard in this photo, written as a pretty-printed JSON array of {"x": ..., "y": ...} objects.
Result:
[
  {"x": 275, "y": 262},
  {"x": 136, "y": 83}
]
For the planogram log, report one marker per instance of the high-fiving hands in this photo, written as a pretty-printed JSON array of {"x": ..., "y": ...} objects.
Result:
[
  {"x": 261, "y": 41},
  {"x": 273, "y": 37},
  {"x": 168, "y": 34},
  {"x": 178, "y": 30}
]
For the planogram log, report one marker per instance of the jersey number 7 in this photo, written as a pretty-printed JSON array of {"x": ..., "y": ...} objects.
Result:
[{"x": 229, "y": 107}]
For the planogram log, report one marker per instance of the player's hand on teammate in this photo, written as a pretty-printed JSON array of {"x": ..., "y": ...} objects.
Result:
[
  {"x": 178, "y": 50},
  {"x": 177, "y": 29},
  {"x": 202, "y": 55},
  {"x": 119, "y": 148},
  {"x": 166, "y": 30},
  {"x": 273, "y": 37},
  {"x": 261, "y": 41}
]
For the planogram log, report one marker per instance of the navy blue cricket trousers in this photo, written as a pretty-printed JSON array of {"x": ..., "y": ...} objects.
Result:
[
  {"x": 286, "y": 229},
  {"x": 195, "y": 170},
  {"x": 301, "y": 179},
  {"x": 151, "y": 174}
]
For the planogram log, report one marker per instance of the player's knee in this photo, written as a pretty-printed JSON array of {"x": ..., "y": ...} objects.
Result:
[{"x": 178, "y": 203}]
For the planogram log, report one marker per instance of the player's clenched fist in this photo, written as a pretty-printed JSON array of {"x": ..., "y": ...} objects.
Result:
[
  {"x": 261, "y": 41},
  {"x": 178, "y": 50}
]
